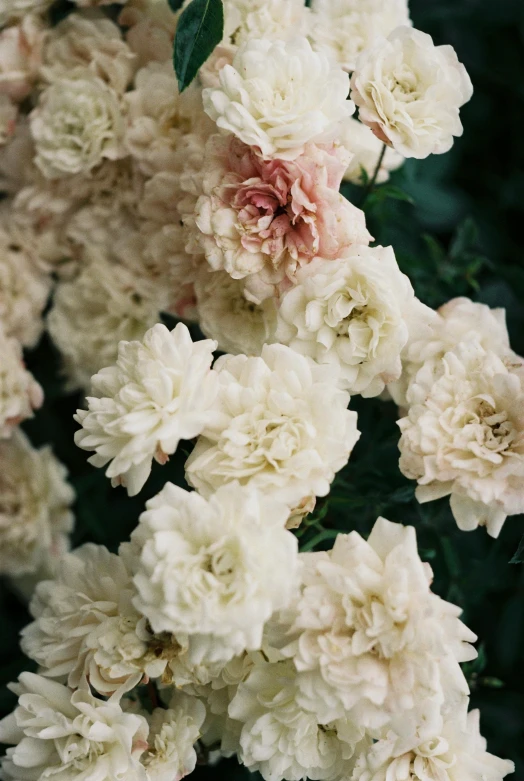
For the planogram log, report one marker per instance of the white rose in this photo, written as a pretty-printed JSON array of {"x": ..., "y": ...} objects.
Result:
[
  {"x": 151, "y": 26},
  {"x": 35, "y": 507},
  {"x": 248, "y": 19},
  {"x": 20, "y": 57},
  {"x": 159, "y": 117},
  {"x": 464, "y": 435},
  {"x": 373, "y": 643},
  {"x": 65, "y": 734},
  {"x": 76, "y": 124},
  {"x": 365, "y": 149},
  {"x": 279, "y": 95},
  {"x": 219, "y": 728},
  {"x": 282, "y": 740},
  {"x": 160, "y": 391},
  {"x": 409, "y": 92},
  {"x": 275, "y": 19},
  {"x": 225, "y": 314},
  {"x": 103, "y": 214},
  {"x": 457, "y": 753},
  {"x": 355, "y": 313},
  {"x": 281, "y": 425},
  {"x": 20, "y": 394},
  {"x": 345, "y": 28},
  {"x": 17, "y": 9},
  {"x": 24, "y": 291},
  {"x": 460, "y": 320},
  {"x": 86, "y": 627},
  {"x": 57, "y": 222},
  {"x": 80, "y": 42},
  {"x": 214, "y": 570},
  {"x": 172, "y": 735},
  {"x": 105, "y": 304}
]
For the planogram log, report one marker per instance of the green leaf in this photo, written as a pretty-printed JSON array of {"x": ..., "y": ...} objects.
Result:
[
  {"x": 518, "y": 557},
  {"x": 402, "y": 495},
  {"x": 492, "y": 683},
  {"x": 394, "y": 192},
  {"x": 199, "y": 30},
  {"x": 175, "y": 5},
  {"x": 465, "y": 238}
]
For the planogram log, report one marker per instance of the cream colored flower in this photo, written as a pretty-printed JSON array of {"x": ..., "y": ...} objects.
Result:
[
  {"x": 270, "y": 19},
  {"x": 248, "y": 19},
  {"x": 65, "y": 734},
  {"x": 282, "y": 740},
  {"x": 62, "y": 224},
  {"x": 35, "y": 507},
  {"x": 409, "y": 92},
  {"x": 17, "y": 9},
  {"x": 151, "y": 26},
  {"x": 105, "y": 304},
  {"x": 356, "y": 313},
  {"x": 21, "y": 56},
  {"x": 344, "y": 29},
  {"x": 24, "y": 291},
  {"x": 172, "y": 735},
  {"x": 160, "y": 390},
  {"x": 365, "y": 149},
  {"x": 279, "y": 95},
  {"x": 36, "y": 220},
  {"x": 456, "y": 753},
  {"x": 464, "y": 435},
  {"x": 20, "y": 394},
  {"x": 76, "y": 125},
  {"x": 225, "y": 314},
  {"x": 159, "y": 117},
  {"x": 86, "y": 626},
  {"x": 219, "y": 729},
  {"x": 214, "y": 570},
  {"x": 373, "y": 643},
  {"x": 94, "y": 43},
  {"x": 281, "y": 425},
  {"x": 460, "y": 320}
]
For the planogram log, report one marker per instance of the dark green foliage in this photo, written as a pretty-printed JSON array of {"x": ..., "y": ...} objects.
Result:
[
  {"x": 175, "y": 5},
  {"x": 456, "y": 223},
  {"x": 199, "y": 30}
]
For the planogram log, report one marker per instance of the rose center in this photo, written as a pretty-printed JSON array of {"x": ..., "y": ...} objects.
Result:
[{"x": 498, "y": 432}]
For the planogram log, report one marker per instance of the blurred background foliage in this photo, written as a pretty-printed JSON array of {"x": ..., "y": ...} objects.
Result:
[{"x": 455, "y": 222}]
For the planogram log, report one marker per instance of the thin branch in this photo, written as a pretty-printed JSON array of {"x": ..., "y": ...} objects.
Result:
[{"x": 370, "y": 185}]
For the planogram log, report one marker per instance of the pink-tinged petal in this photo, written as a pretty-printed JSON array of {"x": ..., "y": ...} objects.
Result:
[{"x": 285, "y": 212}]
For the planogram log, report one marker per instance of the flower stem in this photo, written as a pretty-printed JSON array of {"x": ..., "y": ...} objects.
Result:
[
  {"x": 371, "y": 183},
  {"x": 153, "y": 694}
]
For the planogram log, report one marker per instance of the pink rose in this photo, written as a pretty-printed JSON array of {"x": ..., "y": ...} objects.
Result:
[{"x": 263, "y": 219}]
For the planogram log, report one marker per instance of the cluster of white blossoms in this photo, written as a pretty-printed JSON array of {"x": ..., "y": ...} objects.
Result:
[
  {"x": 209, "y": 633},
  {"x": 35, "y": 498},
  {"x": 336, "y": 665}
]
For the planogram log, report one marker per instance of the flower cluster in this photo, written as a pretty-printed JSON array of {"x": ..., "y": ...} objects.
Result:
[
  {"x": 276, "y": 422},
  {"x": 337, "y": 665},
  {"x": 208, "y": 632}
]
